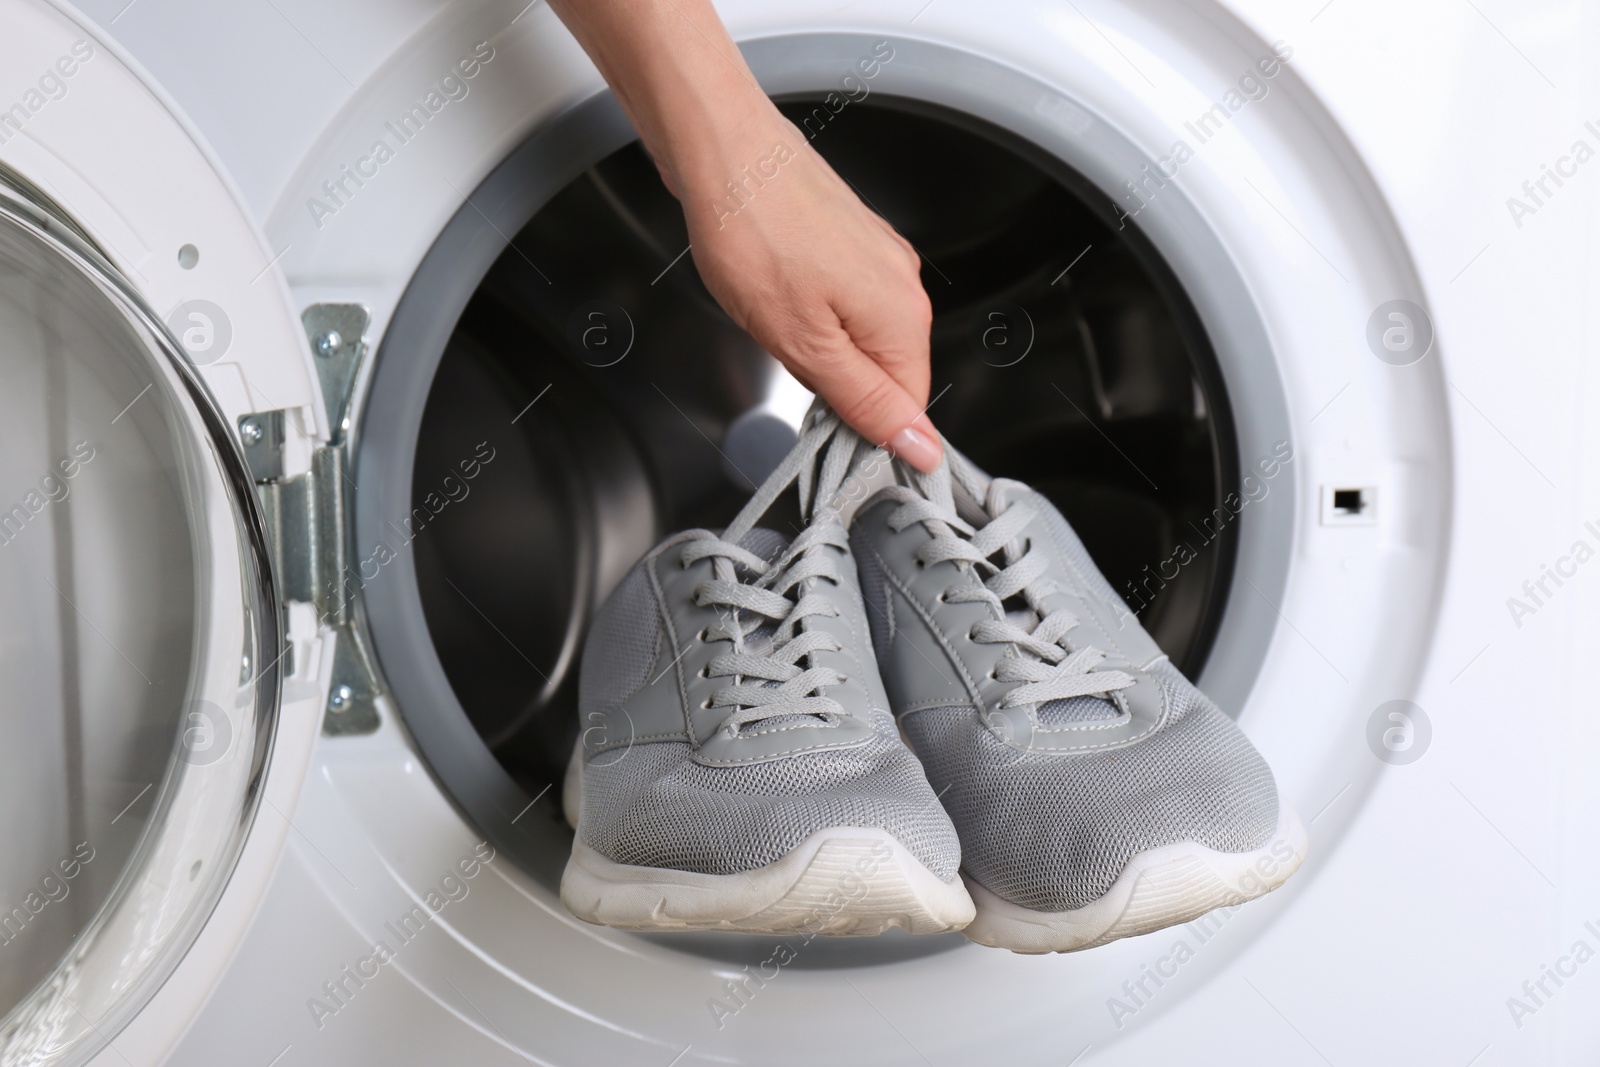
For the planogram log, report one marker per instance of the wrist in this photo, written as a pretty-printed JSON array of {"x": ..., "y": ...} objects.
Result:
[{"x": 699, "y": 155}]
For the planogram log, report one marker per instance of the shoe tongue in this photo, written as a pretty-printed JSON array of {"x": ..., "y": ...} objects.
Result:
[
  {"x": 1002, "y": 492},
  {"x": 768, "y": 544},
  {"x": 1076, "y": 709},
  {"x": 1025, "y": 618}
]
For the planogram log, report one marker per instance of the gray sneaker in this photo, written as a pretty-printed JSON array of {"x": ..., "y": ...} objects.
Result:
[
  {"x": 739, "y": 768},
  {"x": 1097, "y": 793}
]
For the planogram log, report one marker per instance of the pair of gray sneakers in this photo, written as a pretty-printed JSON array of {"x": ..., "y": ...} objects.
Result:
[{"x": 739, "y": 767}]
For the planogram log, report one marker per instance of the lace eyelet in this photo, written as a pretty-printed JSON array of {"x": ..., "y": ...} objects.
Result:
[
  {"x": 706, "y": 703},
  {"x": 705, "y": 671},
  {"x": 701, "y": 636},
  {"x": 940, "y": 598},
  {"x": 921, "y": 564}
]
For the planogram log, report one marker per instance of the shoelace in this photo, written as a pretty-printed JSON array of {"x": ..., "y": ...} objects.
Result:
[
  {"x": 780, "y": 594},
  {"x": 1042, "y": 658}
]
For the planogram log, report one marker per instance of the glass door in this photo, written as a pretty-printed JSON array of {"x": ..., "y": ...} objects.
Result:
[{"x": 139, "y": 645}]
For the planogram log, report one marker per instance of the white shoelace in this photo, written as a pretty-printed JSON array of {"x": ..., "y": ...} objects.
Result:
[
  {"x": 1042, "y": 657},
  {"x": 782, "y": 593}
]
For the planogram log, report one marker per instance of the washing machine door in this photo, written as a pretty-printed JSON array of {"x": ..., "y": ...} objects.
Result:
[
  {"x": 152, "y": 373},
  {"x": 139, "y": 643}
]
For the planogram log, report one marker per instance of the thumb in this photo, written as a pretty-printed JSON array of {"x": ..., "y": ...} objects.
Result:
[{"x": 872, "y": 403}]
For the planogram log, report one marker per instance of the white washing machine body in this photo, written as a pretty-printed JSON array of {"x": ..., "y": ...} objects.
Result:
[{"x": 1386, "y": 246}]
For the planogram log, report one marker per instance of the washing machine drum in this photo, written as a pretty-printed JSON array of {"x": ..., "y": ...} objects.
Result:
[{"x": 1098, "y": 386}]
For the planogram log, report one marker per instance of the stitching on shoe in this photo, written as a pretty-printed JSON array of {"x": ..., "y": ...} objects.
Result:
[
  {"x": 938, "y": 634},
  {"x": 677, "y": 664},
  {"x": 711, "y": 762}
]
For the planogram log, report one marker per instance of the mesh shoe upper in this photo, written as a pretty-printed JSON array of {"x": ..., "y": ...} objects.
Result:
[
  {"x": 1048, "y": 813},
  {"x": 1052, "y": 833},
  {"x": 656, "y": 807},
  {"x": 710, "y": 744}
]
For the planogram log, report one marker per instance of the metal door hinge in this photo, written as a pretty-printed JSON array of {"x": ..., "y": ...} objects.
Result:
[
  {"x": 261, "y": 434},
  {"x": 337, "y": 333},
  {"x": 307, "y": 518}
]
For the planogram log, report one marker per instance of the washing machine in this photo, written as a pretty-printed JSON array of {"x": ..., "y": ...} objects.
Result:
[{"x": 352, "y": 354}]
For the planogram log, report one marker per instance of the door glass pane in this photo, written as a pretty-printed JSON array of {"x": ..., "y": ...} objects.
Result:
[{"x": 131, "y": 646}]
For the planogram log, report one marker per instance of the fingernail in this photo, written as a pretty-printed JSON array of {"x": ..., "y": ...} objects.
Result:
[{"x": 917, "y": 447}]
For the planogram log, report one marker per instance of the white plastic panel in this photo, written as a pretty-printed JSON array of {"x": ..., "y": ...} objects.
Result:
[{"x": 108, "y": 150}]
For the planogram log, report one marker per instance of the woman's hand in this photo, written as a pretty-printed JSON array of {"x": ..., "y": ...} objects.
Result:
[
  {"x": 822, "y": 282},
  {"x": 783, "y": 243}
]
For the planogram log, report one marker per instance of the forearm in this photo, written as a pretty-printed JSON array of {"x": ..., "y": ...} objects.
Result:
[
  {"x": 681, "y": 81},
  {"x": 815, "y": 277}
]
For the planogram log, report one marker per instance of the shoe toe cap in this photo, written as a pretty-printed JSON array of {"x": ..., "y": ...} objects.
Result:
[{"x": 1052, "y": 833}]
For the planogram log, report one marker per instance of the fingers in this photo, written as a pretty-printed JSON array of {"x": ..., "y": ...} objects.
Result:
[
  {"x": 889, "y": 317},
  {"x": 918, "y": 444},
  {"x": 871, "y": 401},
  {"x": 829, "y": 287}
]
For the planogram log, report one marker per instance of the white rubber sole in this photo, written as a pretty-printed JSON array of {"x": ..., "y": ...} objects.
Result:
[
  {"x": 572, "y": 786},
  {"x": 1163, "y": 887},
  {"x": 842, "y": 881}
]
